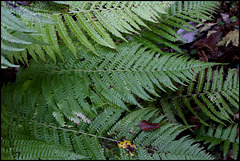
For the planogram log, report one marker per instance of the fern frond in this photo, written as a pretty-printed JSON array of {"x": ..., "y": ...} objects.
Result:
[
  {"x": 47, "y": 7},
  {"x": 176, "y": 17},
  {"x": 81, "y": 37},
  {"x": 12, "y": 22},
  {"x": 95, "y": 19},
  {"x": 232, "y": 36},
  {"x": 19, "y": 148},
  {"x": 215, "y": 96},
  {"x": 10, "y": 48},
  {"x": 16, "y": 35},
  {"x": 86, "y": 140},
  {"x": 5, "y": 35},
  {"x": 220, "y": 136},
  {"x": 62, "y": 33},
  {"x": 117, "y": 78},
  {"x": 26, "y": 14}
]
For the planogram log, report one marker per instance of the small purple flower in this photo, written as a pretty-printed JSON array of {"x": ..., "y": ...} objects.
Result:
[{"x": 186, "y": 35}]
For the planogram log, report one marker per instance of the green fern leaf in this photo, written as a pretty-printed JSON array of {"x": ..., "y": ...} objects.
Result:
[
  {"x": 62, "y": 33},
  {"x": 5, "y": 63},
  {"x": 101, "y": 30},
  {"x": 81, "y": 37},
  {"x": 5, "y": 35},
  {"x": 107, "y": 25},
  {"x": 91, "y": 31},
  {"x": 10, "y": 48}
]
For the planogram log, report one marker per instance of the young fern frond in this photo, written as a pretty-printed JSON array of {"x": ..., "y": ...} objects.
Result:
[
  {"x": 116, "y": 77},
  {"x": 215, "y": 96},
  {"x": 226, "y": 137},
  {"x": 95, "y": 141}
]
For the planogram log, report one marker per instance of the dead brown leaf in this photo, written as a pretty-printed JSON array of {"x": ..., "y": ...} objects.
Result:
[
  {"x": 232, "y": 36},
  {"x": 146, "y": 126},
  {"x": 206, "y": 51}
]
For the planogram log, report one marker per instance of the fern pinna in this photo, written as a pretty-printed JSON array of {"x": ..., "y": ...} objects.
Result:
[
  {"x": 116, "y": 77},
  {"x": 98, "y": 140}
]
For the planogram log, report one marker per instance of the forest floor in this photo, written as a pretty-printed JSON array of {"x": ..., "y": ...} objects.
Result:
[{"x": 218, "y": 41}]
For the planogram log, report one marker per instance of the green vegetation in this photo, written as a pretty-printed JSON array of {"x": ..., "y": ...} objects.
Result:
[{"x": 91, "y": 71}]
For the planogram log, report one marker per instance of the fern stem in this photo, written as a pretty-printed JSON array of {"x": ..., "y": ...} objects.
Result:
[
  {"x": 88, "y": 10},
  {"x": 187, "y": 95},
  {"x": 119, "y": 70},
  {"x": 155, "y": 150},
  {"x": 75, "y": 131}
]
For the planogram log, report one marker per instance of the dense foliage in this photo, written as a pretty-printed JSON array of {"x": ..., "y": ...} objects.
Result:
[{"x": 91, "y": 71}]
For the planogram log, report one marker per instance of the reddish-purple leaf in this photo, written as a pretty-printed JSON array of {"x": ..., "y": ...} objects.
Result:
[{"x": 146, "y": 126}]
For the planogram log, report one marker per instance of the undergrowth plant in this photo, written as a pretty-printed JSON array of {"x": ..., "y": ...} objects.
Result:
[
  {"x": 215, "y": 135},
  {"x": 93, "y": 70}
]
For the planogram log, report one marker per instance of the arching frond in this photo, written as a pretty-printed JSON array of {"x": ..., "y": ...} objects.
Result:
[{"x": 87, "y": 97}]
